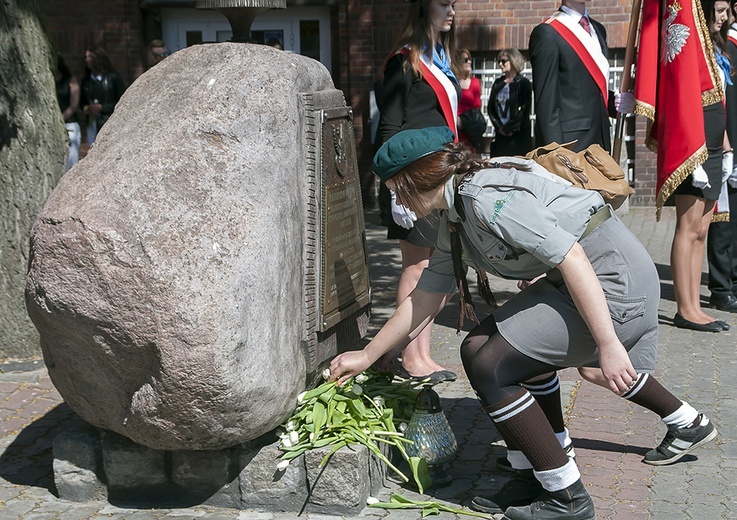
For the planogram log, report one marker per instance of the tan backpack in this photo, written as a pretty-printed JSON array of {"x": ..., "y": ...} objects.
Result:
[{"x": 590, "y": 169}]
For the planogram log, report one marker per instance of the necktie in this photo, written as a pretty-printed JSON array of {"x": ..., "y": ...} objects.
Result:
[{"x": 584, "y": 21}]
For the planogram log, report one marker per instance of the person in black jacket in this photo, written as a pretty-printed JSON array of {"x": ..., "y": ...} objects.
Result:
[
  {"x": 509, "y": 107},
  {"x": 420, "y": 90},
  {"x": 721, "y": 245},
  {"x": 101, "y": 90},
  {"x": 570, "y": 75}
]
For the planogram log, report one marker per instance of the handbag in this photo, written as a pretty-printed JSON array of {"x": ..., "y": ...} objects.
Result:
[
  {"x": 590, "y": 169},
  {"x": 473, "y": 123}
]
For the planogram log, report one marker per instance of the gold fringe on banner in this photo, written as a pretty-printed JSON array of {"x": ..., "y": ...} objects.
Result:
[{"x": 678, "y": 176}]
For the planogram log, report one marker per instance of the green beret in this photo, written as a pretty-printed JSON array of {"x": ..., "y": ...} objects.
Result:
[{"x": 408, "y": 146}]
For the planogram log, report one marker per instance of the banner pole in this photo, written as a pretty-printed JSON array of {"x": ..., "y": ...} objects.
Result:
[{"x": 629, "y": 59}]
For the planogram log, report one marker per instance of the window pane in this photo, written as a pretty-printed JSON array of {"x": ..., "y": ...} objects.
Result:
[
  {"x": 194, "y": 38},
  {"x": 309, "y": 38},
  {"x": 223, "y": 36}
]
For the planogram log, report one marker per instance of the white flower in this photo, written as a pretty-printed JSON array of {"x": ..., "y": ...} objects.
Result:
[
  {"x": 290, "y": 426},
  {"x": 326, "y": 374},
  {"x": 372, "y": 500},
  {"x": 286, "y": 442},
  {"x": 360, "y": 378},
  {"x": 312, "y": 437},
  {"x": 294, "y": 437},
  {"x": 402, "y": 427},
  {"x": 301, "y": 397},
  {"x": 282, "y": 465},
  {"x": 379, "y": 401}
]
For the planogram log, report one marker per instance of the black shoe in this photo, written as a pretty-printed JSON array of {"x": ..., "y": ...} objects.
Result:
[
  {"x": 571, "y": 503},
  {"x": 502, "y": 463},
  {"x": 522, "y": 490},
  {"x": 723, "y": 324},
  {"x": 682, "y": 323},
  {"x": 727, "y": 303},
  {"x": 680, "y": 441},
  {"x": 441, "y": 376}
]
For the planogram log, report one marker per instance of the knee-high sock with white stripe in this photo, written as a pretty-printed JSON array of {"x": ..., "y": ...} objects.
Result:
[
  {"x": 521, "y": 420},
  {"x": 547, "y": 394},
  {"x": 649, "y": 393}
]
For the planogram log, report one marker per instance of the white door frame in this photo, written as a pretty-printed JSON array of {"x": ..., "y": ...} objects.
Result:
[{"x": 176, "y": 21}]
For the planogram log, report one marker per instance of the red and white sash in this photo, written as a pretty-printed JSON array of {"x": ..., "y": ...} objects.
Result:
[
  {"x": 587, "y": 48},
  {"x": 444, "y": 91},
  {"x": 732, "y": 34}
]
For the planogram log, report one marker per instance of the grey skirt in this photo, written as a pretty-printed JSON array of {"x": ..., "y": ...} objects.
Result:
[{"x": 543, "y": 323}]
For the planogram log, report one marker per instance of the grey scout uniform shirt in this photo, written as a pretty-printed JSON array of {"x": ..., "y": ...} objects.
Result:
[{"x": 518, "y": 225}]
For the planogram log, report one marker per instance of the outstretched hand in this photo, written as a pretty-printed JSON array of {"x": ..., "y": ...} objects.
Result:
[
  {"x": 617, "y": 369},
  {"x": 348, "y": 364}
]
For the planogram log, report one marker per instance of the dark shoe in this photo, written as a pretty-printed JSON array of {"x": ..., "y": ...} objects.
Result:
[
  {"x": 727, "y": 303},
  {"x": 571, "y": 503},
  {"x": 503, "y": 464},
  {"x": 680, "y": 441},
  {"x": 682, "y": 323},
  {"x": 434, "y": 378},
  {"x": 723, "y": 324},
  {"x": 522, "y": 490}
]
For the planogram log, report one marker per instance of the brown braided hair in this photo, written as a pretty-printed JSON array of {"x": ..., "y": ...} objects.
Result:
[{"x": 427, "y": 174}]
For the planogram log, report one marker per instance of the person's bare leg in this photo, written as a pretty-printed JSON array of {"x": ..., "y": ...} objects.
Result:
[
  {"x": 699, "y": 251},
  {"x": 416, "y": 358},
  {"x": 690, "y": 212}
]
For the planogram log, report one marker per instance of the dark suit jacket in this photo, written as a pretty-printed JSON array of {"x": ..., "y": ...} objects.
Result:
[{"x": 568, "y": 103}]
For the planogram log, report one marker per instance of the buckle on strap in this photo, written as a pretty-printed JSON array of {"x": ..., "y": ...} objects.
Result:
[{"x": 603, "y": 214}]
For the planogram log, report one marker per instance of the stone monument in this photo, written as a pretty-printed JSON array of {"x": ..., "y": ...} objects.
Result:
[{"x": 193, "y": 274}]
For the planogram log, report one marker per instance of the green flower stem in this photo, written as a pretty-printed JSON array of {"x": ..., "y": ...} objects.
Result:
[{"x": 397, "y": 501}]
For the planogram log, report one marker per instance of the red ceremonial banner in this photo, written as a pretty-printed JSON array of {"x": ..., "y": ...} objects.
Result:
[{"x": 676, "y": 76}]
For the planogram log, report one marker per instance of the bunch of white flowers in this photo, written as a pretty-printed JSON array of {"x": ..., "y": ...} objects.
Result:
[{"x": 366, "y": 409}]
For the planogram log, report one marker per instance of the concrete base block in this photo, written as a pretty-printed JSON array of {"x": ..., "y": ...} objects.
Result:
[
  {"x": 265, "y": 488},
  {"x": 77, "y": 461},
  {"x": 132, "y": 469},
  {"x": 205, "y": 476},
  {"x": 92, "y": 464},
  {"x": 343, "y": 484}
]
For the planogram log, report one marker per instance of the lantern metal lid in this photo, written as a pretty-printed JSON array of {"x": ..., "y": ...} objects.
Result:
[{"x": 241, "y": 13}]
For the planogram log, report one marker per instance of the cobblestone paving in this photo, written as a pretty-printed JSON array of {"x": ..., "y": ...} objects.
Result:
[{"x": 610, "y": 434}]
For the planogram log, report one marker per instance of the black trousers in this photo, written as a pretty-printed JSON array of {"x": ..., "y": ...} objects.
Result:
[{"x": 721, "y": 251}]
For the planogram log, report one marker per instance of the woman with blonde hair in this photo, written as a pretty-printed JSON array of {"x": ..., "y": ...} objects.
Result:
[
  {"x": 509, "y": 106},
  {"x": 419, "y": 90}
]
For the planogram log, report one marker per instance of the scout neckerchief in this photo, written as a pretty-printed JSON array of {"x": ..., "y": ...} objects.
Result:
[
  {"x": 586, "y": 47},
  {"x": 444, "y": 90}
]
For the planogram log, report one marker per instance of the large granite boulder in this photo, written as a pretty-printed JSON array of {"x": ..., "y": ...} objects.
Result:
[{"x": 166, "y": 272}]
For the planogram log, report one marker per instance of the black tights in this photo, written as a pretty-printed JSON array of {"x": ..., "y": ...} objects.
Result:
[{"x": 494, "y": 367}]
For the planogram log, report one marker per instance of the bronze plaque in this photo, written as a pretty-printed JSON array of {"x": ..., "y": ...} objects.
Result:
[{"x": 344, "y": 274}]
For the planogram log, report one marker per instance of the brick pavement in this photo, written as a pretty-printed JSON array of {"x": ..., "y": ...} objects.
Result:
[{"x": 610, "y": 434}]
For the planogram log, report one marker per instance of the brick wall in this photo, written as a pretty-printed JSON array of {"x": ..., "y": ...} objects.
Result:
[
  {"x": 115, "y": 25},
  {"x": 484, "y": 27},
  {"x": 363, "y": 33}
]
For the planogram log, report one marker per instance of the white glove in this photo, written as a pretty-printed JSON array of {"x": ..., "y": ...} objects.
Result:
[
  {"x": 624, "y": 102},
  {"x": 699, "y": 178},
  {"x": 727, "y": 165},
  {"x": 733, "y": 178},
  {"x": 402, "y": 216}
]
